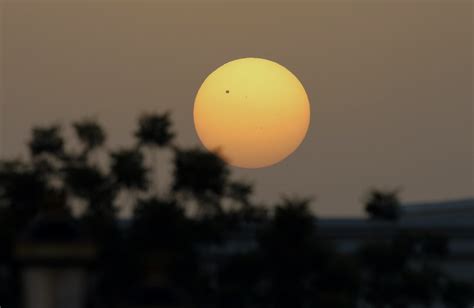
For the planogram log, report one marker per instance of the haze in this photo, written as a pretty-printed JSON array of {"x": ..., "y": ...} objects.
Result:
[{"x": 390, "y": 83}]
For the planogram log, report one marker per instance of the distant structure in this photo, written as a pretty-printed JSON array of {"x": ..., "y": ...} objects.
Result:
[
  {"x": 54, "y": 257},
  {"x": 452, "y": 220},
  {"x": 456, "y": 212}
]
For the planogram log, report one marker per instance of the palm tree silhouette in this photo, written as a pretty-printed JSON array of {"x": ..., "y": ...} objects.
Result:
[
  {"x": 90, "y": 134},
  {"x": 129, "y": 172},
  {"x": 154, "y": 132}
]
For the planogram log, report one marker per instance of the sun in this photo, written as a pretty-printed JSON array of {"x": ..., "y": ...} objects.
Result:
[{"x": 254, "y": 112}]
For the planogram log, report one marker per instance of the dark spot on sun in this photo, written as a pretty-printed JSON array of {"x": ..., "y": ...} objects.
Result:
[{"x": 227, "y": 91}]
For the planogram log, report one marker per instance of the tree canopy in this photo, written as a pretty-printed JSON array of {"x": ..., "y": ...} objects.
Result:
[{"x": 232, "y": 252}]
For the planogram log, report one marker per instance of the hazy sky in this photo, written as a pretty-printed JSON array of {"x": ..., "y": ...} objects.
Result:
[{"x": 390, "y": 83}]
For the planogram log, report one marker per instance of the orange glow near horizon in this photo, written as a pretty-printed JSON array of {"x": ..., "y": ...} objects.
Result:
[{"x": 253, "y": 111}]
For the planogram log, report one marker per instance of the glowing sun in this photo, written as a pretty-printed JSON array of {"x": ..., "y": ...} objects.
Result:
[{"x": 253, "y": 111}]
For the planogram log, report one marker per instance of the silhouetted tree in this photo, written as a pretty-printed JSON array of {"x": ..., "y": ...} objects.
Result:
[
  {"x": 240, "y": 192},
  {"x": 90, "y": 184},
  {"x": 47, "y": 140},
  {"x": 21, "y": 189},
  {"x": 160, "y": 229},
  {"x": 202, "y": 175},
  {"x": 154, "y": 131},
  {"x": 383, "y": 205},
  {"x": 288, "y": 246},
  {"x": 259, "y": 257},
  {"x": 128, "y": 169},
  {"x": 90, "y": 134},
  {"x": 291, "y": 267}
]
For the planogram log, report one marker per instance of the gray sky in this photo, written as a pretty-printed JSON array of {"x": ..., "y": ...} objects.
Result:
[{"x": 390, "y": 83}]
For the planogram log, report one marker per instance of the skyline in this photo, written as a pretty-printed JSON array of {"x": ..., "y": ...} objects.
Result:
[{"x": 391, "y": 102}]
